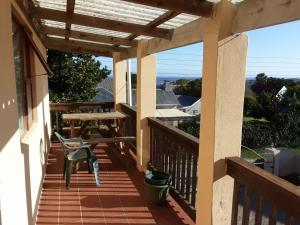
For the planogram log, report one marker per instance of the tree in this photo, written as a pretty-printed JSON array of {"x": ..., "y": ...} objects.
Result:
[
  {"x": 133, "y": 80},
  {"x": 75, "y": 76},
  {"x": 190, "y": 88}
]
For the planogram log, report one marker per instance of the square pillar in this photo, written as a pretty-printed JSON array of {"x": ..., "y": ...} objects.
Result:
[
  {"x": 146, "y": 102},
  {"x": 223, "y": 86},
  {"x": 119, "y": 79}
]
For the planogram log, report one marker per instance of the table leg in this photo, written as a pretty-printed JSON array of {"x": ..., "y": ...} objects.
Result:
[
  {"x": 72, "y": 128},
  {"x": 83, "y": 128}
]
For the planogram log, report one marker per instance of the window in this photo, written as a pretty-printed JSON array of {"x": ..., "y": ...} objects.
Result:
[{"x": 24, "y": 87}]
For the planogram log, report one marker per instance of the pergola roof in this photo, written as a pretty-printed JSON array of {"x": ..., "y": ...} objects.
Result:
[
  {"x": 101, "y": 27},
  {"x": 104, "y": 26}
]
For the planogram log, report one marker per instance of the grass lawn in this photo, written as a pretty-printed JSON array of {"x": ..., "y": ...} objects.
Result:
[
  {"x": 250, "y": 154},
  {"x": 247, "y": 119},
  {"x": 296, "y": 150}
]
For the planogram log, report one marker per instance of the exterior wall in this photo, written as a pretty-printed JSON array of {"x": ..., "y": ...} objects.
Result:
[
  {"x": 286, "y": 162},
  {"x": 22, "y": 159}
]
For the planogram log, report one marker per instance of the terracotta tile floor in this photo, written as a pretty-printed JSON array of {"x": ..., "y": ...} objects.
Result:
[{"x": 120, "y": 199}]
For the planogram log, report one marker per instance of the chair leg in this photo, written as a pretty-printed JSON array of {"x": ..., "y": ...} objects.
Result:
[
  {"x": 65, "y": 167},
  {"x": 88, "y": 165},
  {"x": 96, "y": 169},
  {"x": 69, "y": 169}
]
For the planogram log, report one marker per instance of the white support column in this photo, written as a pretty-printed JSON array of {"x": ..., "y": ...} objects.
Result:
[
  {"x": 146, "y": 102},
  {"x": 119, "y": 67},
  {"x": 129, "y": 91},
  {"x": 221, "y": 114}
]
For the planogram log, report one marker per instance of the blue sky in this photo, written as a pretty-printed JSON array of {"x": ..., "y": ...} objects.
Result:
[{"x": 274, "y": 50}]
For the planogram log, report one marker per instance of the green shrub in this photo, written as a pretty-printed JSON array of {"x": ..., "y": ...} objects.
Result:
[{"x": 257, "y": 134}]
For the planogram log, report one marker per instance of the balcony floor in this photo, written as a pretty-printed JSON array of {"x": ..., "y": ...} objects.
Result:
[{"x": 121, "y": 198}]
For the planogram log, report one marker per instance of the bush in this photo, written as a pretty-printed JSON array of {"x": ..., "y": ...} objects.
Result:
[{"x": 257, "y": 134}]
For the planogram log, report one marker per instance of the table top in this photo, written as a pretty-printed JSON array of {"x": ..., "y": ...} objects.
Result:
[{"x": 94, "y": 116}]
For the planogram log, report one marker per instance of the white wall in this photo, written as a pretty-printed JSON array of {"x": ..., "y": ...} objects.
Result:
[{"x": 21, "y": 159}]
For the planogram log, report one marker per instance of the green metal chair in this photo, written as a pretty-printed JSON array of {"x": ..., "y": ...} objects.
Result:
[{"x": 76, "y": 151}]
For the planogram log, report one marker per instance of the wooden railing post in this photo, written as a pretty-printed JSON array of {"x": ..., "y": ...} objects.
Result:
[
  {"x": 223, "y": 85},
  {"x": 119, "y": 79},
  {"x": 146, "y": 102}
]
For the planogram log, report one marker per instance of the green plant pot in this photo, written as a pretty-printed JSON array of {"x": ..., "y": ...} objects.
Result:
[{"x": 157, "y": 194}]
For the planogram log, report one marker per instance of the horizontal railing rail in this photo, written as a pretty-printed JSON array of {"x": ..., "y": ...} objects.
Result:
[
  {"x": 130, "y": 126},
  {"x": 275, "y": 199},
  {"x": 176, "y": 153},
  {"x": 57, "y": 109}
]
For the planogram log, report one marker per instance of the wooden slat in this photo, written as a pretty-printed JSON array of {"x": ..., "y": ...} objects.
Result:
[
  {"x": 194, "y": 179},
  {"x": 79, "y": 50},
  {"x": 90, "y": 21},
  {"x": 258, "y": 210},
  {"x": 187, "y": 34},
  {"x": 254, "y": 14},
  {"x": 246, "y": 206},
  {"x": 61, "y": 43},
  {"x": 188, "y": 177},
  {"x": 289, "y": 220},
  {"x": 89, "y": 36},
  {"x": 190, "y": 142},
  {"x": 235, "y": 203},
  {"x": 70, "y": 12},
  {"x": 110, "y": 140},
  {"x": 183, "y": 173},
  {"x": 280, "y": 192},
  {"x": 158, "y": 21},
  {"x": 272, "y": 216},
  {"x": 195, "y": 7}
]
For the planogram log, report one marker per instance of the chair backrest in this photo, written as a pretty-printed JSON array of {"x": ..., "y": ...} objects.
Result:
[{"x": 61, "y": 140}]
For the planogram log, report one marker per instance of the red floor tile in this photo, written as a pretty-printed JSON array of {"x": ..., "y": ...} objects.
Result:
[{"x": 120, "y": 200}]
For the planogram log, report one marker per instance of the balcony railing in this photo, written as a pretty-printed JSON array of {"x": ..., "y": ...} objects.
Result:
[
  {"x": 176, "y": 152},
  {"x": 130, "y": 124},
  {"x": 273, "y": 199}
]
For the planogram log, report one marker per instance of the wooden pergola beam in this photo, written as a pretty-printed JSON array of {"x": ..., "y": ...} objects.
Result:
[
  {"x": 83, "y": 47},
  {"x": 96, "y": 22},
  {"x": 250, "y": 15},
  {"x": 254, "y": 14},
  {"x": 159, "y": 20},
  {"x": 195, "y": 7},
  {"x": 89, "y": 36},
  {"x": 70, "y": 12}
]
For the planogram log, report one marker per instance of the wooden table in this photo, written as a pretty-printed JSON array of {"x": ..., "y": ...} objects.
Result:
[{"x": 86, "y": 118}]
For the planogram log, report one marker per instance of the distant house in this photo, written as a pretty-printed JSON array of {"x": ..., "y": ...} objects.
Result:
[
  {"x": 190, "y": 104},
  {"x": 104, "y": 91},
  {"x": 281, "y": 92},
  {"x": 164, "y": 99}
]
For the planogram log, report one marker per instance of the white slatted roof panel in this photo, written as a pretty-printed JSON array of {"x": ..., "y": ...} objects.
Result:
[
  {"x": 99, "y": 31},
  {"x": 60, "y": 5},
  {"x": 91, "y": 42},
  {"x": 51, "y": 23},
  {"x": 55, "y": 36},
  {"x": 118, "y": 10},
  {"x": 178, "y": 21}
]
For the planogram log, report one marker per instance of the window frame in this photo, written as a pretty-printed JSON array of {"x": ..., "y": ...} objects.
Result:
[{"x": 27, "y": 80}]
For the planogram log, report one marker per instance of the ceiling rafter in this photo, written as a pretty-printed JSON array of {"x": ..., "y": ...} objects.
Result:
[
  {"x": 194, "y": 7},
  {"x": 62, "y": 43},
  {"x": 50, "y": 14},
  {"x": 158, "y": 21},
  {"x": 70, "y": 12},
  {"x": 89, "y": 36}
]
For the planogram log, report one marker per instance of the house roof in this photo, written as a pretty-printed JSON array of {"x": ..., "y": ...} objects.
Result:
[
  {"x": 170, "y": 113},
  {"x": 163, "y": 98},
  {"x": 185, "y": 100},
  {"x": 106, "y": 84},
  {"x": 103, "y": 95}
]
